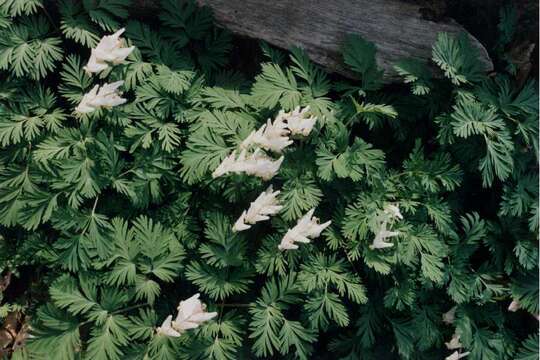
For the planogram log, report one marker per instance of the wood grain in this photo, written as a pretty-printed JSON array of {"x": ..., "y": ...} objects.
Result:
[{"x": 320, "y": 27}]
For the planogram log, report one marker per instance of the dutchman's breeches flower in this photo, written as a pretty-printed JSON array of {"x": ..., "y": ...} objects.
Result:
[
  {"x": 105, "y": 96},
  {"x": 265, "y": 205},
  {"x": 110, "y": 49},
  {"x": 270, "y": 136},
  {"x": 298, "y": 121},
  {"x": 257, "y": 164},
  {"x": 389, "y": 214},
  {"x": 307, "y": 228},
  {"x": 191, "y": 313}
]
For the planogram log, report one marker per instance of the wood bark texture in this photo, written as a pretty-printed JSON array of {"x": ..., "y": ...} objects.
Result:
[{"x": 320, "y": 27}]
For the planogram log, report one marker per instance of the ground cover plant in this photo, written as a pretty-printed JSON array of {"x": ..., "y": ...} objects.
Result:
[{"x": 158, "y": 201}]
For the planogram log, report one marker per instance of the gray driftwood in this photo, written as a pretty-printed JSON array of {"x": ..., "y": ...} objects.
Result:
[{"x": 320, "y": 27}]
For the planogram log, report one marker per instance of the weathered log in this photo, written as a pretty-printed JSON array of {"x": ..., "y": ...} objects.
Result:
[{"x": 320, "y": 26}]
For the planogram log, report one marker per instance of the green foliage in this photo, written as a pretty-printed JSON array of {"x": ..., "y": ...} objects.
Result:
[
  {"x": 272, "y": 331},
  {"x": 116, "y": 215},
  {"x": 529, "y": 349},
  {"x": 19, "y": 7},
  {"x": 336, "y": 159},
  {"x": 457, "y": 59},
  {"x": 359, "y": 55},
  {"x": 275, "y": 86},
  {"x": 415, "y": 73},
  {"x": 27, "y": 48},
  {"x": 470, "y": 119}
]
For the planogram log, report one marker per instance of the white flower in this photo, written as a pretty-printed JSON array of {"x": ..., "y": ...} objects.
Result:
[
  {"x": 456, "y": 355},
  {"x": 259, "y": 210},
  {"x": 260, "y": 165},
  {"x": 389, "y": 213},
  {"x": 94, "y": 66},
  {"x": 110, "y": 49},
  {"x": 270, "y": 136},
  {"x": 191, "y": 313},
  {"x": 393, "y": 211},
  {"x": 383, "y": 234},
  {"x": 240, "y": 224},
  {"x": 298, "y": 122},
  {"x": 107, "y": 96},
  {"x": 449, "y": 316},
  {"x": 227, "y": 165},
  {"x": 257, "y": 164},
  {"x": 166, "y": 328},
  {"x": 514, "y": 306},
  {"x": 454, "y": 343},
  {"x": 307, "y": 227}
]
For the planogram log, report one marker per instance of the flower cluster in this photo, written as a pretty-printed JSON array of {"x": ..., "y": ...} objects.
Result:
[
  {"x": 298, "y": 121},
  {"x": 105, "y": 96},
  {"x": 390, "y": 213},
  {"x": 259, "y": 210},
  {"x": 110, "y": 49},
  {"x": 449, "y": 318},
  {"x": 455, "y": 344},
  {"x": 191, "y": 313},
  {"x": 257, "y": 164},
  {"x": 308, "y": 227},
  {"x": 272, "y": 136}
]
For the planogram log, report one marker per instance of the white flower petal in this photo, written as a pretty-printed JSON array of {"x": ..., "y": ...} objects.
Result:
[
  {"x": 449, "y": 316},
  {"x": 306, "y": 228},
  {"x": 256, "y": 163},
  {"x": 454, "y": 343},
  {"x": 166, "y": 328},
  {"x": 191, "y": 313},
  {"x": 270, "y": 136},
  {"x": 298, "y": 122},
  {"x": 265, "y": 205},
  {"x": 105, "y": 96},
  {"x": 240, "y": 224},
  {"x": 456, "y": 355},
  {"x": 514, "y": 306},
  {"x": 110, "y": 49},
  {"x": 393, "y": 210},
  {"x": 382, "y": 233}
]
